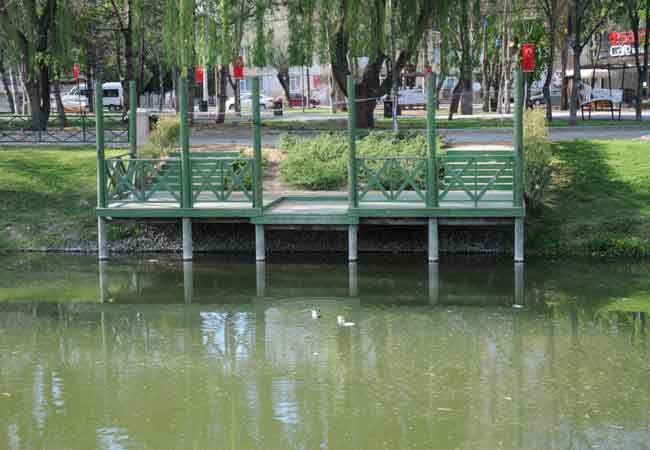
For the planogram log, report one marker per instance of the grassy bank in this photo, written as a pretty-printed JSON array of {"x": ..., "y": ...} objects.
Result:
[
  {"x": 599, "y": 203},
  {"x": 48, "y": 196}
]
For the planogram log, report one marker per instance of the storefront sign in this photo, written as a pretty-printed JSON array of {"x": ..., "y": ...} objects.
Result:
[{"x": 622, "y": 42}]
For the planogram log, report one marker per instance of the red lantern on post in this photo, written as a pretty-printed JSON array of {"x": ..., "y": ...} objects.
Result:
[
  {"x": 528, "y": 58},
  {"x": 238, "y": 68},
  {"x": 75, "y": 72}
]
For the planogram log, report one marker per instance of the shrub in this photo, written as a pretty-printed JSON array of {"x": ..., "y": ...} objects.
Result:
[
  {"x": 163, "y": 138},
  {"x": 321, "y": 162},
  {"x": 537, "y": 158}
]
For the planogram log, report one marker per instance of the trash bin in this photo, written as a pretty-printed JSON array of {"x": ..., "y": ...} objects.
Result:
[
  {"x": 203, "y": 106},
  {"x": 388, "y": 108},
  {"x": 277, "y": 108}
]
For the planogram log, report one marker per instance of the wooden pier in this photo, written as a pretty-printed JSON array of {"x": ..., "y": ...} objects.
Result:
[{"x": 465, "y": 186}]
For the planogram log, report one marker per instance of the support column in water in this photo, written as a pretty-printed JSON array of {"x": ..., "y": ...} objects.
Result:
[
  {"x": 188, "y": 281},
  {"x": 353, "y": 279},
  {"x": 260, "y": 243},
  {"x": 519, "y": 239},
  {"x": 520, "y": 296},
  {"x": 103, "y": 282},
  {"x": 433, "y": 239},
  {"x": 434, "y": 283},
  {"x": 260, "y": 278},
  {"x": 102, "y": 240},
  {"x": 353, "y": 232},
  {"x": 187, "y": 239}
]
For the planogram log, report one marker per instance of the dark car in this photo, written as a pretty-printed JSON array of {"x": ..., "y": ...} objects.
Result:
[{"x": 296, "y": 99}]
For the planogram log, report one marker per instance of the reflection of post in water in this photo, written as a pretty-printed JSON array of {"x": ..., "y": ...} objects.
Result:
[
  {"x": 353, "y": 279},
  {"x": 434, "y": 283},
  {"x": 260, "y": 278},
  {"x": 188, "y": 281},
  {"x": 103, "y": 281},
  {"x": 520, "y": 295}
]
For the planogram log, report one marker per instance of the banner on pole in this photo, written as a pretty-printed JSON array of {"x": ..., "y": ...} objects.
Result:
[
  {"x": 75, "y": 72},
  {"x": 198, "y": 74},
  {"x": 238, "y": 67},
  {"x": 528, "y": 58}
]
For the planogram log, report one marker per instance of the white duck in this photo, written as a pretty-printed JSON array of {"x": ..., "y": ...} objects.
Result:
[
  {"x": 342, "y": 322},
  {"x": 315, "y": 314}
]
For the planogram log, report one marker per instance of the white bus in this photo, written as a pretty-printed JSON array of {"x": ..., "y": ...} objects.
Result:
[{"x": 77, "y": 98}]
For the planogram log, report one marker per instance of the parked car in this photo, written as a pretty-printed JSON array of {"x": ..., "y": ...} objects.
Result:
[
  {"x": 296, "y": 99},
  {"x": 245, "y": 99},
  {"x": 76, "y": 100},
  {"x": 408, "y": 99}
]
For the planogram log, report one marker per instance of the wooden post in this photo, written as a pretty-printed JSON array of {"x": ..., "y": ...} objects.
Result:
[
  {"x": 133, "y": 109},
  {"x": 518, "y": 185},
  {"x": 432, "y": 169},
  {"x": 102, "y": 202},
  {"x": 257, "y": 147},
  {"x": 186, "y": 169},
  {"x": 352, "y": 146},
  {"x": 518, "y": 194}
]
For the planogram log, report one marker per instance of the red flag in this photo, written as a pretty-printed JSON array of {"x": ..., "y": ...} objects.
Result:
[
  {"x": 528, "y": 57},
  {"x": 198, "y": 74},
  {"x": 75, "y": 71},
  {"x": 238, "y": 67}
]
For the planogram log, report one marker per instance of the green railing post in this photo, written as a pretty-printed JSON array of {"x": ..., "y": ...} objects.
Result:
[
  {"x": 186, "y": 169},
  {"x": 352, "y": 145},
  {"x": 133, "y": 109},
  {"x": 101, "y": 159},
  {"x": 432, "y": 168},
  {"x": 518, "y": 185},
  {"x": 257, "y": 146}
]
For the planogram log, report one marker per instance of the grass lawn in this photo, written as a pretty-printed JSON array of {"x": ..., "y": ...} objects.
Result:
[
  {"x": 599, "y": 203},
  {"x": 48, "y": 196}
]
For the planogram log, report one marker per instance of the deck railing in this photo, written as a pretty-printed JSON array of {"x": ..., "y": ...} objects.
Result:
[
  {"x": 160, "y": 180},
  {"x": 391, "y": 177}
]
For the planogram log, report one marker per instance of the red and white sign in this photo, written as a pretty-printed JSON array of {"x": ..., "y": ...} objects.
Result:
[
  {"x": 622, "y": 42},
  {"x": 198, "y": 74},
  {"x": 75, "y": 71},
  {"x": 528, "y": 58},
  {"x": 238, "y": 67}
]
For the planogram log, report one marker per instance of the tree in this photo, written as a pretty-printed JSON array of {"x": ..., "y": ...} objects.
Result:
[
  {"x": 357, "y": 29},
  {"x": 27, "y": 25},
  {"x": 551, "y": 9},
  {"x": 585, "y": 17}
]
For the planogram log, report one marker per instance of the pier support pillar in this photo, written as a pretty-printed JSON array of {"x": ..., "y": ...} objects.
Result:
[
  {"x": 353, "y": 234},
  {"x": 433, "y": 240},
  {"x": 260, "y": 278},
  {"x": 519, "y": 239},
  {"x": 188, "y": 281},
  {"x": 520, "y": 297},
  {"x": 260, "y": 243},
  {"x": 434, "y": 283},
  {"x": 102, "y": 240},
  {"x": 103, "y": 282},
  {"x": 353, "y": 279},
  {"x": 187, "y": 239}
]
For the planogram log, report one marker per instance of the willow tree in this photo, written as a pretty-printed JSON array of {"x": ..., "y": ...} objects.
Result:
[
  {"x": 27, "y": 25},
  {"x": 357, "y": 36}
]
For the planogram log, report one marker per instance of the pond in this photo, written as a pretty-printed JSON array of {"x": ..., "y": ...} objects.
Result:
[{"x": 473, "y": 353}]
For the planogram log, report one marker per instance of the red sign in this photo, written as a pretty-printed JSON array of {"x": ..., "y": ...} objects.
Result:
[
  {"x": 75, "y": 71},
  {"x": 626, "y": 37},
  {"x": 428, "y": 69},
  {"x": 198, "y": 74},
  {"x": 238, "y": 67},
  {"x": 528, "y": 58}
]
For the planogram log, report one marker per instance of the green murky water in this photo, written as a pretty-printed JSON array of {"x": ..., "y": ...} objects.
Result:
[{"x": 224, "y": 354}]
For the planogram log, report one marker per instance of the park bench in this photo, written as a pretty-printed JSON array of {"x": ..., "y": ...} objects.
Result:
[{"x": 600, "y": 105}]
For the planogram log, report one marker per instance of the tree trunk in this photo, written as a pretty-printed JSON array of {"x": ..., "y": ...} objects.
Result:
[
  {"x": 455, "y": 100},
  {"x": 564, "y": 100},
  {"x": 60, "y": 110},
  {"x": 38, "y": 90},
  {"x": 546, "y": 89},
  {"x": 221, "y": 94},
  {"x": 575, "y": 87},
  {"x": 284, "y": 80},
  {"x": 6, "y": 84}
]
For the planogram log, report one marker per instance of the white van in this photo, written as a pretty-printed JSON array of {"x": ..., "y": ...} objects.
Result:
[{"x": 77, "y": 98}]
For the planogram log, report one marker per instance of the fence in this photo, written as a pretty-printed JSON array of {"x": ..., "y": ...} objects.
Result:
[{"x": 79, "y": 128}]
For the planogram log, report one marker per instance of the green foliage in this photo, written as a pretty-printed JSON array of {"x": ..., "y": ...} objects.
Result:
[
  {"x": 321, "y": 162},
  {"x": 163, "y": 138},
  {"x": 537, "y": 158}
]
